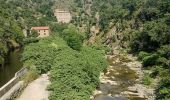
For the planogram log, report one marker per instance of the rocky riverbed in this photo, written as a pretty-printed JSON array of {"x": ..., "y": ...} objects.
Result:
[{"x": 122, "y": 80}]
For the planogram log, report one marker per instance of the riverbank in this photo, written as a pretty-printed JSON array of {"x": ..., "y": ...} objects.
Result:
[
  {"x": 11, "y": 67},
  {"x": 122, "y": 80}
]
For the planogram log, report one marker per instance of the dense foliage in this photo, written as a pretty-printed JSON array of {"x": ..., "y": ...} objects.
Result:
[
  {"x": 16, "y": 15},
  {"x": 141, "y": 26},
  {"x": 74, "y": 74},
  {"x": 73, "y": 37},
  {"x": 144, "y": 25}
]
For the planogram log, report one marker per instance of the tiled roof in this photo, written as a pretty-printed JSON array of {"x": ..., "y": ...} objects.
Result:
[{"x": 40, "y": 28}]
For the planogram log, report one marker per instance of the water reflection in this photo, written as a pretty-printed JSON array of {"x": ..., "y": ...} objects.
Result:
[{"x": 11, "y": 67}]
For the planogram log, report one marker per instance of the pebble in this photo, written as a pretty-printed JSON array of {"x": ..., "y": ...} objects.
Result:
[{"x": 138, "y": 90}]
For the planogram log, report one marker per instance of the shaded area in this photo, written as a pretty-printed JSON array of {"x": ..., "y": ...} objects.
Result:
[{"x": 11, "y": 67}]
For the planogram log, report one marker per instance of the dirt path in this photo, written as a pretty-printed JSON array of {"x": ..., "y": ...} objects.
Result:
[{"x": 36, "y": 90}]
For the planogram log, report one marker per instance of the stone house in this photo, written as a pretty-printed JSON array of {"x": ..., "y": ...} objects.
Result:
[
  {"x": 63, "y": 16},
  {"x": 42, "y": 31}
]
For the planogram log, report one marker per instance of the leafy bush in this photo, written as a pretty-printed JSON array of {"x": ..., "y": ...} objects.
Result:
[
  {"x": 101, "y": 47},
  {"x": 163, "y": 90},
  {"x": 150, "y": 60},
  {"x": 30, "y": 40},
  {"x": 76, "y": 73},
  {"x": 164, "y": 52},
  {"x": 156, "y": 71},
  {"x": 74, "y": 42},
  {"x": 147, "y": 80},
  {"x": 33, "y": 33},
  {"x": 41, "y": 54},
  {"x": 73, "y": 37},
  {"x": 30, "y": 76},
  {"x": 142, "y": 55}
]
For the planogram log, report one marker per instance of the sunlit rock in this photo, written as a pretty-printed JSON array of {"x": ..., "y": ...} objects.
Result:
[{"x": 97, "y": 92}]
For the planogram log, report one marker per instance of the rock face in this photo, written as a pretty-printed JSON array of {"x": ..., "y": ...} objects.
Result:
[{"x": 121, "y": 80}]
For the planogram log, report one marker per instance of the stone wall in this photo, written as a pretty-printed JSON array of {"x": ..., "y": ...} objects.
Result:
[
  {"x": 4, "y": 89},
  {"x": 63, "y": 16}
]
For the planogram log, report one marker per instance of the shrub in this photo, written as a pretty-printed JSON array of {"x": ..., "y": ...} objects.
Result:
[
  {"x": 156, "y": 71},
  {"x": 30, "y": 40},
  {"x": 33, "y": 33},
  {"x": 149, "y": 60},
  {"x": 30, "y": 76},
  {"x": 142, "y": 55},
  {"x": 147, "y": 80},
  {"x": 73, "y": 37},
  {"x": 74, "y": 42},
  {"x": 163, "y": 90}
]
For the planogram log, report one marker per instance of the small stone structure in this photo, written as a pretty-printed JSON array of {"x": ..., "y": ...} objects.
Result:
[
  {"x": 42, "y": 31},
  {"x": 9, "y": 89},
  {"x": 63, "y": 16}
]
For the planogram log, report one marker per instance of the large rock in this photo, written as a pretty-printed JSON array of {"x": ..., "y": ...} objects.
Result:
[{"x": 106, "y": 81}]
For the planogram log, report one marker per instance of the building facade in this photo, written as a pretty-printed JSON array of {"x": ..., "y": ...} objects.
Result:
[
  {"x": 63, "y": 16},
  {"x": 42, "y": 31}
]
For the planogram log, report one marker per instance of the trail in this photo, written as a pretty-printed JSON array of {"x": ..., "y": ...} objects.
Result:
[{"x": 37, "y": 89}]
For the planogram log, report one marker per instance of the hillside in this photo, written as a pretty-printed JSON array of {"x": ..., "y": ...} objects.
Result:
[
  {"x": 74, "y": 54},
  {"x": 140, "y": 26},
  {"x": 16, "y": 15}
]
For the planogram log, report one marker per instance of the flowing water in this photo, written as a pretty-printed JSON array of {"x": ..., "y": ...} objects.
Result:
[
  {"x": 122, "y": 77},
  {"x": 11, "y": 67}
]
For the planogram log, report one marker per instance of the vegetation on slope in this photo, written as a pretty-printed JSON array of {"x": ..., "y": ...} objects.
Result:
[
  {"x": 16, "y": 15},
  {"x": 141, "y": 26},
  {"x": 144, "y": 25},
  {"x": 74, "y": 69}
]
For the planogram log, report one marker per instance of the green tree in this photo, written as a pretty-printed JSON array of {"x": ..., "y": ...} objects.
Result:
[{"x": 73, "y": 37}]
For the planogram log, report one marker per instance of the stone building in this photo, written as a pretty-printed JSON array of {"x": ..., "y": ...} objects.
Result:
[
  {"x": 63, "y": 16},
  {"x": 42, "y": 31}
]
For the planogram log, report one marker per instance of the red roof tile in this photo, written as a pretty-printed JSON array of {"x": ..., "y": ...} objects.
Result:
[{"x": 40, "y": 28}]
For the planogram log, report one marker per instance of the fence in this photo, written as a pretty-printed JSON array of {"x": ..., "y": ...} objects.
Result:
[
  {"x": 21, "y": 72},
  {"x": 4, "y": 89}
]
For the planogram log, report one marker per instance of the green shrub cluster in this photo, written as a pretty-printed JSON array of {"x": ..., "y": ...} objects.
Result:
[
  {"x": 147, "y": 80},
  {"x": 73, "y": 37},
  {"x": 73, "y": 74},
  {"x": 148, "y": 59},
  {"x": 160, "y": 63}
]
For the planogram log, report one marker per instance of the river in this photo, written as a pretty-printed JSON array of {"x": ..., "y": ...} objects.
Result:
[
  {"x": 116, "y": 81},
  {"x": 11, "y": 67}
]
